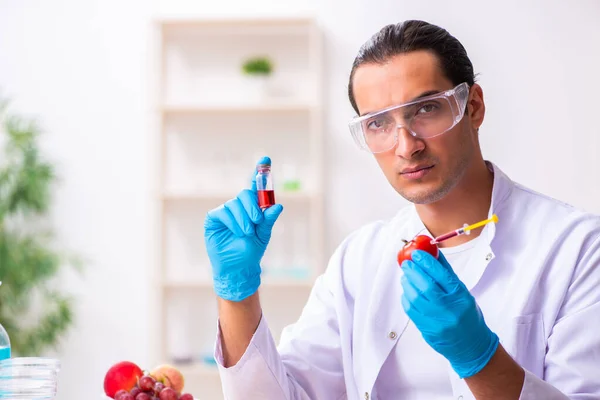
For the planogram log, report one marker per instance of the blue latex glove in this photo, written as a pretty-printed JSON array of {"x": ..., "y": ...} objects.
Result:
[
  {"x": 236, "y": 235},
  {"x": 446, "y": 313}
]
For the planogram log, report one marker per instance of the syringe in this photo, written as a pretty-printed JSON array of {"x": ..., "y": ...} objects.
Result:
[{"x": 465, "y": 230}]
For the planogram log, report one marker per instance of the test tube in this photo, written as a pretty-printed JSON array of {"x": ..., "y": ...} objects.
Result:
[{"x": 264, "y": 186}]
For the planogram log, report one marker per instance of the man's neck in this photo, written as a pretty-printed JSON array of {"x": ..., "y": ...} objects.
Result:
[{"x": 468, "y": 202}]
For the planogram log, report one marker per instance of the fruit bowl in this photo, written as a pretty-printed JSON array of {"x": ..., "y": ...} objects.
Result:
[{"x": 125, "y": 380}]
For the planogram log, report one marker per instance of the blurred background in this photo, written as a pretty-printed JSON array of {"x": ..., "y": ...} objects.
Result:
[{"x": 130, "y": 119}]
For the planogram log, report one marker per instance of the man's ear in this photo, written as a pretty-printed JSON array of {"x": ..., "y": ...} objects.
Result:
[{"x": 476, "y": 106}]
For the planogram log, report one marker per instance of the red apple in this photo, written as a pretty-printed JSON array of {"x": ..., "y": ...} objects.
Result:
[
  {"x": 421, "y": 242},
  {"x": 121, "y": 376}
]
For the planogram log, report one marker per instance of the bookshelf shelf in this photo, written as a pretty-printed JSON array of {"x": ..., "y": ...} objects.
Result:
[{"x": 212, "y": 123}]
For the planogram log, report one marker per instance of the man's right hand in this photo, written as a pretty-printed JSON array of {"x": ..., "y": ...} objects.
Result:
[{"x": 236, "y": 235}]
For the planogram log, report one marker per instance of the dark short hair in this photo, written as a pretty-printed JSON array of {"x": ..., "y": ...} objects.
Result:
[{"x": 413, "y": 35}]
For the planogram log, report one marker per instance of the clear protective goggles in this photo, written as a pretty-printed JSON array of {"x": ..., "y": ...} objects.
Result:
[{"x": 424, "y": 118}]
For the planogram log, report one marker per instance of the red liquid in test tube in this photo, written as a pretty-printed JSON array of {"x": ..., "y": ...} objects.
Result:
[
  {"x": 266, "y": 198},
  {"x": 264, "y": 186}
]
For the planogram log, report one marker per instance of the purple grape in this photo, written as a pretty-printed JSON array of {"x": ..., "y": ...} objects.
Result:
[
  {"x": 146, "y": 383},
  {"x": 158, "y": 387},
  {"x": 168, "y": 394},
  {"x": 143, "y": 396}
]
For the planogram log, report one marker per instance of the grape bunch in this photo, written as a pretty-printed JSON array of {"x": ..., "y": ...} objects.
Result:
[{"x": 148, "y": 388}]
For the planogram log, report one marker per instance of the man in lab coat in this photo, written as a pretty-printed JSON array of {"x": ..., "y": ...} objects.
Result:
[{"x": 502, "y": 313}]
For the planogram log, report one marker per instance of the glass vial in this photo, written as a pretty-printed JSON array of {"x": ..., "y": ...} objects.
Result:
[{"x": 264, "y": 186}]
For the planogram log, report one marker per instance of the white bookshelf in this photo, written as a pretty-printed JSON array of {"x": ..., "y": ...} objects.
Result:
[{"x": 212, "y": 129}]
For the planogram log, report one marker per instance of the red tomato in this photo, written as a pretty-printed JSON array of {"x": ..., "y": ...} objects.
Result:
[{"x": 421, "y": 242}]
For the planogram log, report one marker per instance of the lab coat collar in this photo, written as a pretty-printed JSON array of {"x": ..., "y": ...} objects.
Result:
[{"x": 502, "y": 189}]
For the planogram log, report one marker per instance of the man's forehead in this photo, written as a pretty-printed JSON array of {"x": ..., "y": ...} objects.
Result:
[{"x": 402, "y": 79}]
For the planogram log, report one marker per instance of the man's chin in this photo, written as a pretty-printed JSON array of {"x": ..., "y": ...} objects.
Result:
[{"x": 421, "y": 196}]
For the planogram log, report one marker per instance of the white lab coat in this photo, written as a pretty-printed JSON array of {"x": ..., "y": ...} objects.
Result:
[{"x": 537, "y": 281}]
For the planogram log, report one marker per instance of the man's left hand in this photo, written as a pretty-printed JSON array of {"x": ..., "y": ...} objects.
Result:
[{"x": 446, "y": 313}]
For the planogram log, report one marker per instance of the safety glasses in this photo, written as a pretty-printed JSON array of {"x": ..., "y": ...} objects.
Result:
[{"x": 426, "y": 117}]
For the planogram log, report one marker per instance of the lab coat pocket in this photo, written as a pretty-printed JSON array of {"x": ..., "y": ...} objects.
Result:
[{"x": 524, "y": 339}]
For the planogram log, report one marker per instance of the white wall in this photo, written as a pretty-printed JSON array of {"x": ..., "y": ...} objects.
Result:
[
  {"x": 79, "y": 66},
  {"x": 83, "y": 68}
]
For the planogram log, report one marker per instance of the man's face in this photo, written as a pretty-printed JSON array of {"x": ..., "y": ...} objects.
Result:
[{"x": 444, "y": 158}]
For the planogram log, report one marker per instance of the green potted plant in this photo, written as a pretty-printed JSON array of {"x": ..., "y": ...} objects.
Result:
[
  {"x": 257, "y": 70},
  {"x": 34, "y": 310},
  {"x": 258, "y": 66}
]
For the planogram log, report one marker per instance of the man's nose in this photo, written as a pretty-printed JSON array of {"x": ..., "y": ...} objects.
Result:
[{"x": 408, "y": 145}]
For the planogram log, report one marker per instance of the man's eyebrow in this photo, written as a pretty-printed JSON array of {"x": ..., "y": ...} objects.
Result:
[
  {"x": 425, "y": 94},
  {"x": 420, "y": 96}
]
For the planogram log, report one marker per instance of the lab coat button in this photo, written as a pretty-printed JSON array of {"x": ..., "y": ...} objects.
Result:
[
  {"x": 460, "y": 397},
  {"x": 366, "y": 396},
  {"x": 392, "y": 335},
  {"x": 488, "y": 257}
]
